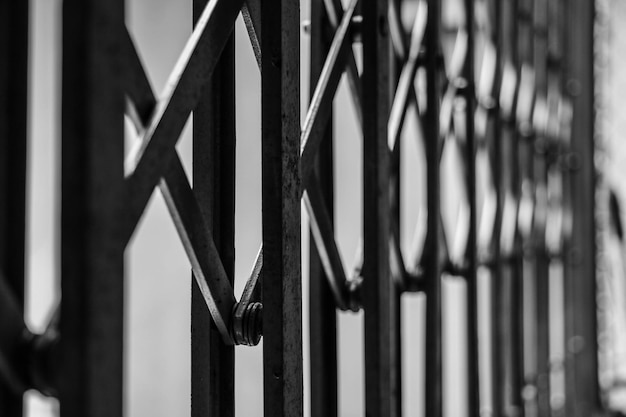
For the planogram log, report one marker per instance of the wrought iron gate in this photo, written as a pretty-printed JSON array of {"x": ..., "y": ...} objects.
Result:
[{"x": 504, "y": 87}]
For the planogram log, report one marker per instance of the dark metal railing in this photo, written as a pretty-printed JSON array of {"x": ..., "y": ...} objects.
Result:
[{"x": 504, "y": 88}]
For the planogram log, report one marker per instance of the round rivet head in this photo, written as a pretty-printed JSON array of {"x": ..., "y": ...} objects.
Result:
[{"x": 249, "y": 327}]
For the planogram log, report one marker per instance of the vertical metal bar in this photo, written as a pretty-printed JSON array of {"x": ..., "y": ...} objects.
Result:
[
  {"x": 396, "y": 290},
  {"x": 396, "y": 294},
  {"x": 323, "y": 321},
  {"x": 543, "y": 332},
  {"x": 509, "y": 277},
  {"x": 525, "y": 142},
  {"x": 323, "y": 314},
  {"x": 378, "y": 300},
  {"x": 470, "y": 184},
  {"x": 395, "y": 188},
  {"x": 92, "y": 250},
  {"x": 518, "y": 329},
  {"x": 541, "y": 260},
  {"x": 502, "y": 278},
  {"x": 506, "y": 333},
  {"x": 542, "y": 303},
  {"x": 580, "y": 305},
  {"x": 555, "y": 283},
  {"x": 13, "y": 128},
  {"x": 496, "y": 159},
  {"x": 280, "y": 88},
  {"x": 212, "y": 361},
  {"x": 432, "y": 251}
]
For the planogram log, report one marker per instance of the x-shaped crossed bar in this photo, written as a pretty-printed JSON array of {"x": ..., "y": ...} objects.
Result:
[
  {"x": 338, "y": 61},
  {"x": 159, "y": 123},
  {"x": 155, "y": 161}
]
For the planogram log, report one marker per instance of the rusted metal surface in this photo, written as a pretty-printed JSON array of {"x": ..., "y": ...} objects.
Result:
[
  {"x": 280, "y": 133},
  {"x": 213, "y": 361}
]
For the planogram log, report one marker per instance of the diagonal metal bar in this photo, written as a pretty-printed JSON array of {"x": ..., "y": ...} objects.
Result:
[
  {"x": 396, "y": 31},
  {"x": 146, "y": 161},
  {"x": 322, "y": 231},
  {"x": 205, "y": 260},
  {"x": 335, "y": 12},
  {"x": 251, "y": 13},
  {"x": 319, "y": 108},
  {"x": 399, "y": 43},
  {"x": 252, "y": 290},
  {"x": 406, "y": 88}
]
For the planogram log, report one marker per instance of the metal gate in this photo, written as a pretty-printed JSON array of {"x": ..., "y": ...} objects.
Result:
[{"x": 505, "y": 88}]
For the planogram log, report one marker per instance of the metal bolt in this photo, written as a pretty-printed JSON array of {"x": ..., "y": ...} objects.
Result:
[{"x": 247, "y": 329}]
